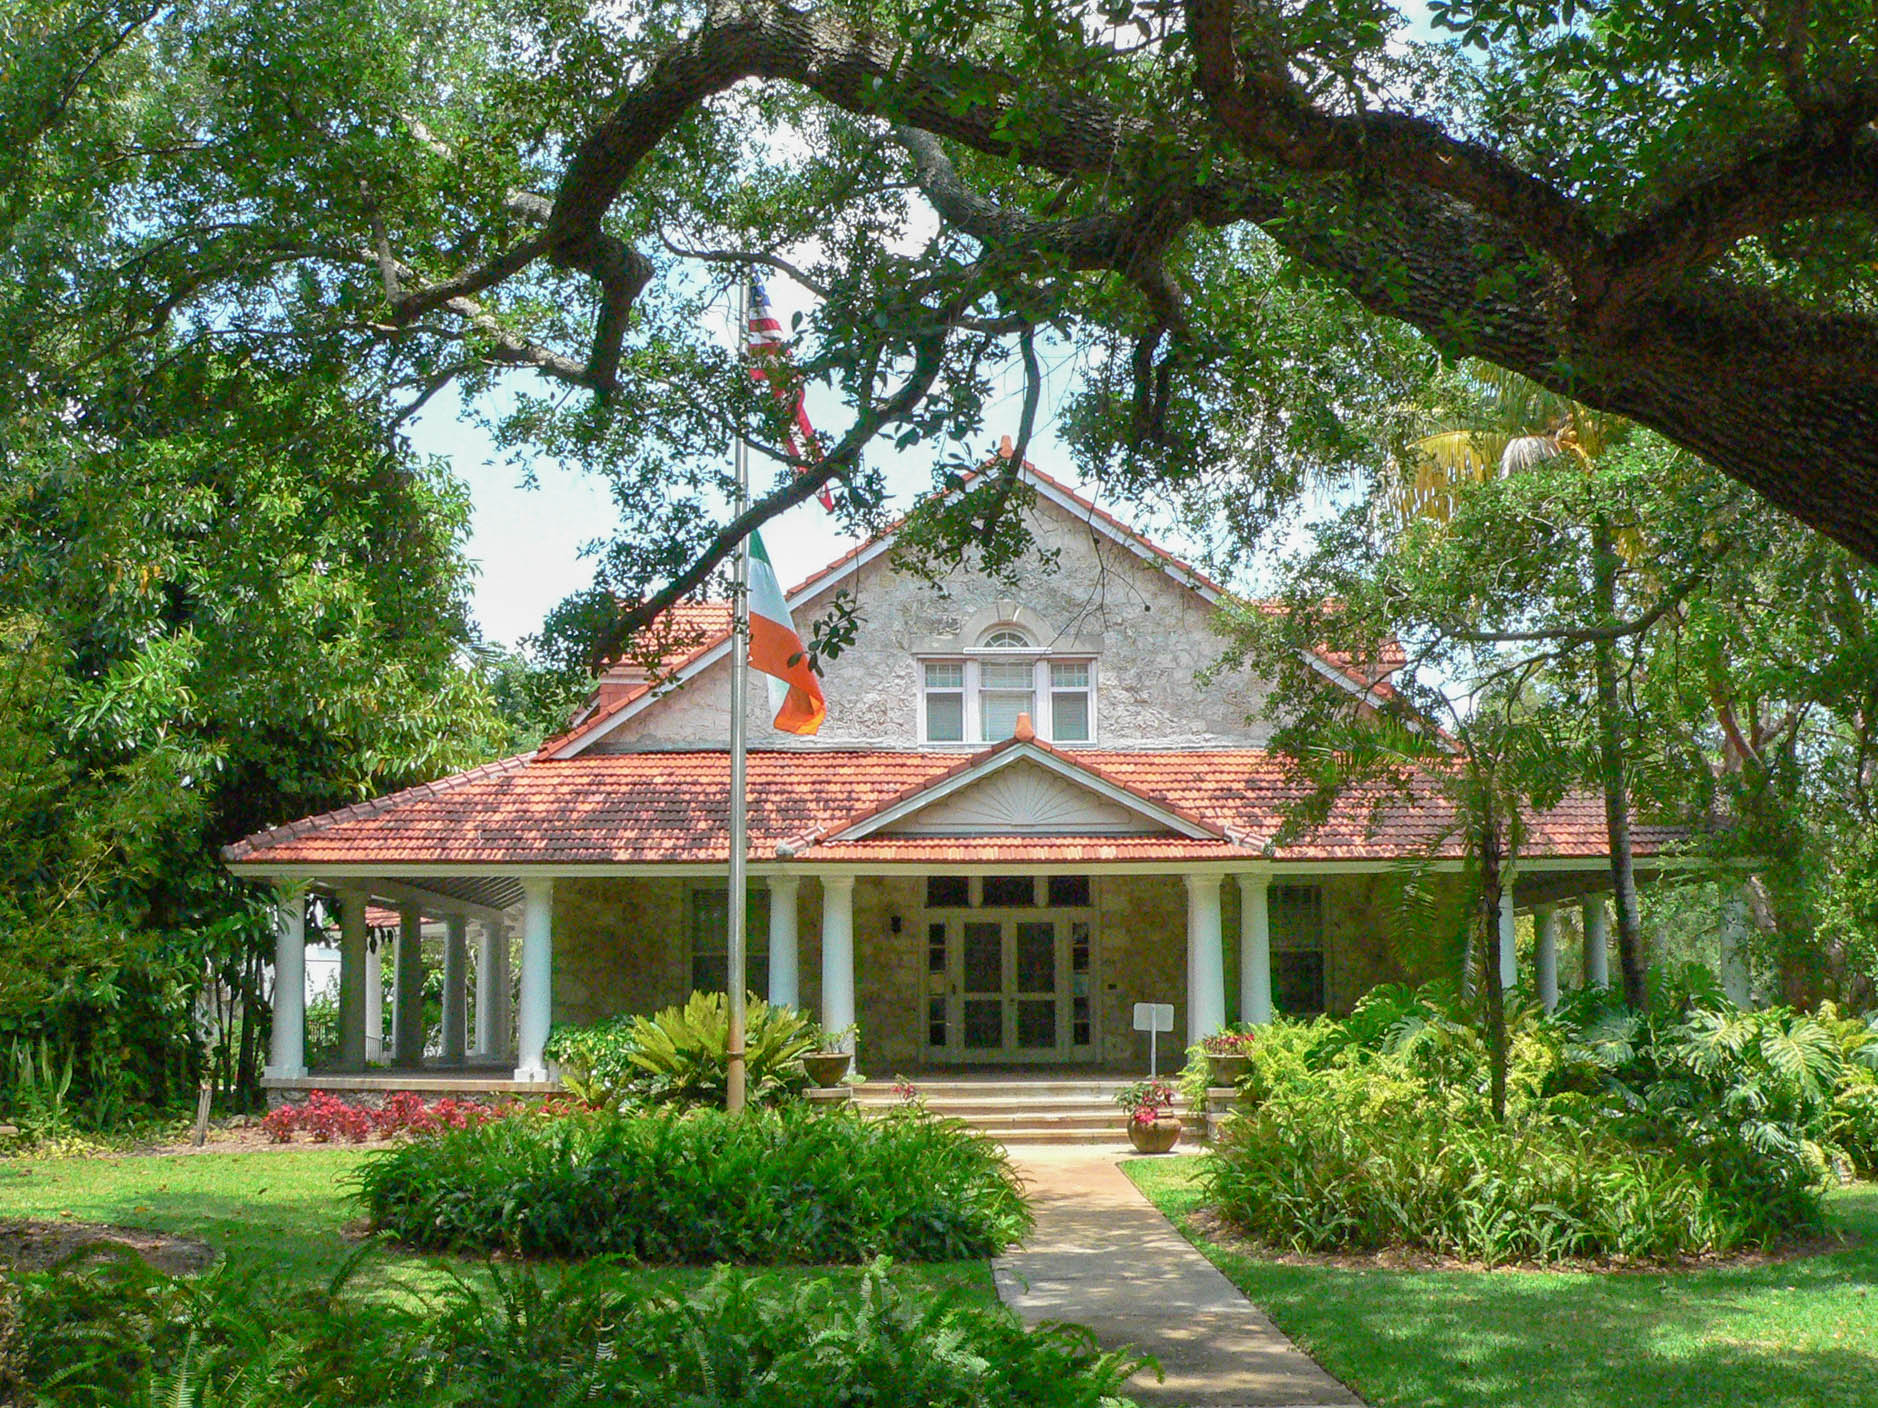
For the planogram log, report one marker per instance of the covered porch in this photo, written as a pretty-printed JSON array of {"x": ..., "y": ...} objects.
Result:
[{"x": 994, "y": 968}]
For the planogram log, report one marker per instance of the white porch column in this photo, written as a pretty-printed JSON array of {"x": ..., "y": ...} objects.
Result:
[
  {"x": 1735, "y": 978},
  {"x": 352, "y": 949},
  {"x": 1206, "y": 961},
  {"x": 537, "y": 1000},
  {"x": 1509, "y": 950},
  {"x": 375, "y": 998},
  {"x": 455, "y": 988},
  {"x": 784, "y": 988},
  {"x": 1545, "y": 930},
  {"x": 838, "y": 954},
  {"x": 289, "y": 1046},
  {"x": 1597, "y": 944},
  {"x": 1255, "y": 949},
  {"x": 407, "y": 989},
  {"x": 492, "y": 988}
]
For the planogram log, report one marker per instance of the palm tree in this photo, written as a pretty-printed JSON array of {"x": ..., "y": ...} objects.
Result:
[{"x": 1525, "y": 426}]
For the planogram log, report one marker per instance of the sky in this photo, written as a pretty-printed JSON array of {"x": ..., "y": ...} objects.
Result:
[{"x": 527, "y": 543}]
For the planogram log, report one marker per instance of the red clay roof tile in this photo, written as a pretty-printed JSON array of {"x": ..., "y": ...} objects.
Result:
[{"x": 669, "y": 807}]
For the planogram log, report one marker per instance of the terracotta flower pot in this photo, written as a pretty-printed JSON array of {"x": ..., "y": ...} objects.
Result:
[
  {"x": 1228, "y": 1068},
  {"x": 826, "y": 1068},
  {"x": 1155, "y": 1138}
]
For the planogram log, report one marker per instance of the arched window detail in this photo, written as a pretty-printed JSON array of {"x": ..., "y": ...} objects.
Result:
[{"x": 1005, "y": 638}]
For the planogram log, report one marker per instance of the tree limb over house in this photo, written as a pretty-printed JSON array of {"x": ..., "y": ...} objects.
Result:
[{"x": 1683, "y": 293}]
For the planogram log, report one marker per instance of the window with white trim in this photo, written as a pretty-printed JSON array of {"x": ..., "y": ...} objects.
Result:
[
  {"x": 945, "y": 701},
  {"x": 1006, "y": 688},
  {"x": 976, "y": 698},
  {"x": 1070, "y": 714}
]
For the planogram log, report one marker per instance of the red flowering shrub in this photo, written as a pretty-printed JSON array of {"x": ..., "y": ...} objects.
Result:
[
  {"x": 280, "y": 1123},
  {"x": 327, "y": 1117},
  {"x": 452, "y": 1114},
  {"x": 403, "y": 1112}
]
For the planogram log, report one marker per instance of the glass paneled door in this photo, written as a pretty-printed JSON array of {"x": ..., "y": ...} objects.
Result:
[{"x": 1009, "y": 987}]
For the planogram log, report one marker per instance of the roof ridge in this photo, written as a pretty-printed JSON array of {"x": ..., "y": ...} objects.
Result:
[{"x": 354, "y": 811}]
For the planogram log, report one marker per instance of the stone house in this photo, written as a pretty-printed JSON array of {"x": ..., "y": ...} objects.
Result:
[{"x": 1023, "y": 815}]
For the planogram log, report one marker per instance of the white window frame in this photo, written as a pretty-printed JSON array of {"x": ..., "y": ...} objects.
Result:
[
  {"x": 1043, "y": 706},
  {"x": 965, "y": 702}
]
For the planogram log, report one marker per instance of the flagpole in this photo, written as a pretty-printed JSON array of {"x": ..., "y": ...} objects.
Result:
[{"x": 739, "y": 709}]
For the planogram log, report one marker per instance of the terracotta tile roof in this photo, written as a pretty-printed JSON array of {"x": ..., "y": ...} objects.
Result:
[
  {"x": 669, "y": 807},
  {"x": 682, "y": 632}
]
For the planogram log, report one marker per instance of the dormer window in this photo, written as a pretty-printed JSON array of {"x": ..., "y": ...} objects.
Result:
[{"x": 977, "y": 699}]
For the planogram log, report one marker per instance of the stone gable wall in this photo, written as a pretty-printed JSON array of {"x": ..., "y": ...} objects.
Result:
[{"x": 1150, "y": 635}]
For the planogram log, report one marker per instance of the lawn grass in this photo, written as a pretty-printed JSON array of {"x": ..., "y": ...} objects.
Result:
[
  {"x": 286, "y": 1210},
  {"x": 1797, "y": 1334}
]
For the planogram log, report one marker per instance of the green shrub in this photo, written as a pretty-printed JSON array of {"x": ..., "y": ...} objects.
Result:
[
  {"x": 127, "y": 1337},
  {"x": 795, "y": 1185},
  {"x": 1691, "y": 1128},
  {"x": 679, "y": 1056},
  {"x": 1477, "y": 1191}
]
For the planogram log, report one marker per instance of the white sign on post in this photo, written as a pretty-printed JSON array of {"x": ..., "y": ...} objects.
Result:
[{"x": 1153, "y": 1018}]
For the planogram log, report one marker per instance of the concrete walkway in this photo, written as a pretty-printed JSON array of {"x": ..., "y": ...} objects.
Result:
[{"x": 1104, "y": 1257}]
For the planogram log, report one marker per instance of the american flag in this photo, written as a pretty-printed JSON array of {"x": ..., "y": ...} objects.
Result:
[{"x": 769, "y": 365}]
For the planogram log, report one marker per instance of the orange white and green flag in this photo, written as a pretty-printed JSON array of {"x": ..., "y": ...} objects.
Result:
[{"x": 777, "y": 651}]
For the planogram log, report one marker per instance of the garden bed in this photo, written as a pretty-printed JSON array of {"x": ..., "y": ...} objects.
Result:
[
  {"x": 793, "y": 1185},
  {"x": 1789, "y": 1331}
]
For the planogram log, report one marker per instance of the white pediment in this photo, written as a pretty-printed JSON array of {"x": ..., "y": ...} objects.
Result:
[
  {"x": 1023, "y": 798},
  {"x": 1025, "y": 787}
]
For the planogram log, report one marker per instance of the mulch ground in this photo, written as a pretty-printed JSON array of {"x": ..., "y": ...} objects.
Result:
[
  {"x": 1222, "y": 1234},
  {"x": 39, "y": 1245}
]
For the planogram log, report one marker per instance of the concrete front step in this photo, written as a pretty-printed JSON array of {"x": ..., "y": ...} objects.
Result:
[
  {"x": 997, "y": 1104},
  {"x": 1019, "y": 1111},
  {"x": 945, "y": 1092}
]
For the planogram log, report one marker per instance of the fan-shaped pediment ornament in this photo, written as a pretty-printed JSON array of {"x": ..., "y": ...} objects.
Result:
[{"x": 1025, "y": 798}]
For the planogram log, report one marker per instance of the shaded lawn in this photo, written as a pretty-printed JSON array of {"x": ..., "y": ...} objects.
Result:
[
  {"x": 285, "y": 1210},
  {"x": 1799, "y": 1334}
]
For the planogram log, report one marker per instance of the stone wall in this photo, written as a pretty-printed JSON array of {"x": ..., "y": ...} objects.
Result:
[
  {"x": 1150, "y": 637},
  {"x": 622, "y": 946},
  {"x": 1141, "y": 956},
  {"x": 619, "y": 946}
]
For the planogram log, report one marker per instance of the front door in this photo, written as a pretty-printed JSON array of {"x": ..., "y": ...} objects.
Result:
[{"x": 1014, "y": 985}]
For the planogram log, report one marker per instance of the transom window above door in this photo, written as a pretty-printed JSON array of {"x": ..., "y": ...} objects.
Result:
[{"x": 977, "y": 698}]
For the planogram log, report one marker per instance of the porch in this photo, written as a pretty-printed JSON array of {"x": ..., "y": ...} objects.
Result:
[{"x": 979, "y": 972}]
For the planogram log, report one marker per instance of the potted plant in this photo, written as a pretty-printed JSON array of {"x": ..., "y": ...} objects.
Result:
[
  {"x": 1153, "y": 1128},
  {"x": 828, "y": 1063},
  {"x": 1228, "y": 1054}
]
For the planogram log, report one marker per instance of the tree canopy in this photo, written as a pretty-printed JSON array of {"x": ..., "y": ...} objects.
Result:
[{"x": 1658, "y": 208}]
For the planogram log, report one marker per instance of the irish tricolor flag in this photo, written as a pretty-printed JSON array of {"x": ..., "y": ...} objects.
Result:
[{"x": 776, "y": 650}]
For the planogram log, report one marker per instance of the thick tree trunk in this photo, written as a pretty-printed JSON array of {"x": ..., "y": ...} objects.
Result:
[
  {"x": 247, "y": 1074},
  {"x": 1613, "y": 770},
  {"x": 1487, "y": 945}
]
